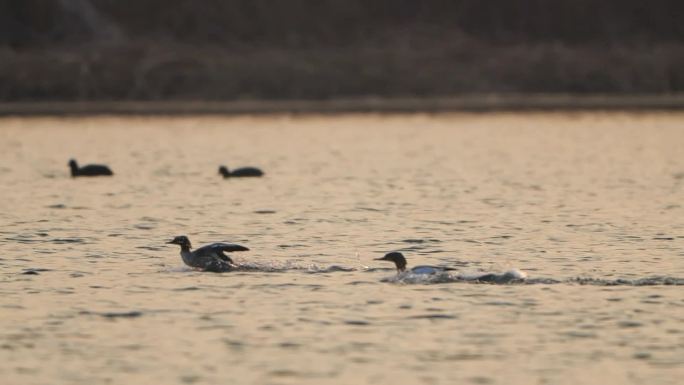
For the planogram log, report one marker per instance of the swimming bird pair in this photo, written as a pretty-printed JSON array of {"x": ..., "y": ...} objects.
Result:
[
  {"x": 212, "y": 258},
  {"x": 102, "y": 170}
]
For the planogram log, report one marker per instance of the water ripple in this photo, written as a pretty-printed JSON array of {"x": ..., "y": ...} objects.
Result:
[{"x": 114, "y": 315}]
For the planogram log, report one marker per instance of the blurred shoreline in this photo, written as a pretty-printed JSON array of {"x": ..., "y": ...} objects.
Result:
[
  {"x": 466, "y": 103},
  {"x": 339, "y": 55}
]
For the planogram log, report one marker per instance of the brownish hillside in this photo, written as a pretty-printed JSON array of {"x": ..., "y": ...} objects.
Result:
[{"x": 306, "y": 49}]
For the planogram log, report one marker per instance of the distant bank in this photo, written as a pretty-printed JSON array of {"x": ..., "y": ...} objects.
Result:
[{"x": 470, "y": 103}]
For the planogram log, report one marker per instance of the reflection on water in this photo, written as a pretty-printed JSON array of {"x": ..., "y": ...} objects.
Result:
[{"x": 588, "y": 205}]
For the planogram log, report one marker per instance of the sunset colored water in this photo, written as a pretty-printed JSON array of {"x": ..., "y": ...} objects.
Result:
[{"x": 589, "y": 205}]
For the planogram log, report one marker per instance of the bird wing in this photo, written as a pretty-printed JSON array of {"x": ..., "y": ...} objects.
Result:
[
  {"x": 227, "y": 247},
  {"x": 217, "y": 250}
]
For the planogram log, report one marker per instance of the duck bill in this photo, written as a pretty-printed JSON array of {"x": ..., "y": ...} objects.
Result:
[{"x": 171, "y": 242}]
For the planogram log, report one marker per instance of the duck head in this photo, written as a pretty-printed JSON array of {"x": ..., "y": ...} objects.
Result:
[
  {"x": 73, "y": 166},
  {"x": 182, "y": 241},
  {"x": 397, "y": 258},
  {"x": 223, "y": 170}
]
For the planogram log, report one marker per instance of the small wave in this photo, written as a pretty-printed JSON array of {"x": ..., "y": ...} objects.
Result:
[
  {"x": 587, "y": 281},
  {"x": 178, "y": 269},
  {"x": 187, "y": 288},
  {"x": 33, "y": 271},
  {"x": 330, "y": 269},
  {"x": 264, "y": 212},
  {"x": 410, "y": 278},
  {"x": 151, "y": 248},
  {"x": 114, "y": 315},
  {"x": 542, "y": 281},
  {"x": 433, "y": 316},
  {"x": 26, "y": 239},
  {"x": 61, "y": 241},
  {"x": 357, "y": 322},
  {"x": 416, "y": 240},
  {"x": 259, "y": 267},
  {"x": 510, "y": 276}
]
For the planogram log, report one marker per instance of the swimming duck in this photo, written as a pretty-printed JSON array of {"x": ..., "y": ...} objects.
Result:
[
  {"x": 240, "y": 172},
  {"x": 208, "y": 258},
  {"x": 88, "y": 170},
  {"x": 510, "y": 276},
  {"x": 400, "y": 263}
]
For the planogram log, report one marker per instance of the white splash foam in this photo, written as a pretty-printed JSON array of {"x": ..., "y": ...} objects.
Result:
[{"x": 408, "y": 277}]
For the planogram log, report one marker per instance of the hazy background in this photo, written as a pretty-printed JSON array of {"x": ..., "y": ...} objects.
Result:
[{"x": 323, "y": 49}]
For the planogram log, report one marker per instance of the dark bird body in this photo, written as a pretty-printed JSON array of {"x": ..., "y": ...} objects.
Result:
[
  {"x": 89, "y": 169},
  {"x": 400, "y": 262},
  {"x": 210, "y": 257},
  {"x": 240, "y": 172}
]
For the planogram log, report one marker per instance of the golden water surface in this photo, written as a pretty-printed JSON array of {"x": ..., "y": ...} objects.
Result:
[{"x": 589, "y": 205}]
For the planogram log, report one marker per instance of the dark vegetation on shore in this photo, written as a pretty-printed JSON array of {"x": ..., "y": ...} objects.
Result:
[{"x": 324, "y": 49}]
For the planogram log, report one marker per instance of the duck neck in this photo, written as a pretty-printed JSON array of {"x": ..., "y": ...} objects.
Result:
[
  {"x": 401, "y": 265},
  {"x": 74, "y": 169},
  {"x": 185, "y": 247}
]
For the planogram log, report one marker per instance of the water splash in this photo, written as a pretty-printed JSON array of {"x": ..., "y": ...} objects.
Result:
[
  {"x": 647, "y": 281},
  {"x": 516, "y": 276},
  {"x": 508, "y": 277},
  {"x": 513, "y": 276},
  {"x": 269, "y": 267}
]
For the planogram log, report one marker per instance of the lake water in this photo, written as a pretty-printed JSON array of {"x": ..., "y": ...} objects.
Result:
[{"x": 589, "y": 205}]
